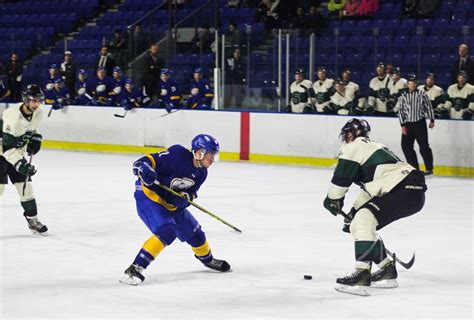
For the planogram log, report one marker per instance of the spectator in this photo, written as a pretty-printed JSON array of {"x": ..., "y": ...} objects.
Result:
[
  {"x": 415, "y": 108},
  {"x": 62, "y": 95},
  {"x": 152, "y": 67},
  {"x": 379, "y": 93},
  {"x": 232, "y": 36},
  {"x": 117, "y": 46},
  {"x": 82, "y": 90},
  {"x": 201, "y": 43},
  {"x": 267, "y": 12},
  {"x": 335, "y": 7},
  {"x": 170, "y": 93},
  {"x": 351, "y": 9},
  {"x": 389, "y": 69},
  {"x": 346, "y": 79},
  {"x": 138, "y": 40},
  {"x": 301, "y": 92},
  {"x": 314, "y": 21},
  {"x": 298, "y": 22},
  {"x": 464, "y": 63},
  {"x": 436, "y": 95},
  {"x": 132, "y": 97},
  {"x": 323, "y": 90},
  {"x": 235, "y": 79},
  {"x": 68, "y": 71},
  {"x": 368, "y": 7},
  {"x": 201, "y": 92},
  {"x": 14, "y": 73},
  {"x": 105, "y": 61},
  {"x": 344, "y": 100},
  {"x": 460, "y": 99},
  {"x": 5, "y": 92},
  {"x": 101, "y": 88},
  {"x": 396, "y": 87}
]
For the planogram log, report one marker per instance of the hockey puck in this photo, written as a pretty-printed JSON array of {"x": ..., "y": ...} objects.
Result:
[{"x": 307, "y": 277}]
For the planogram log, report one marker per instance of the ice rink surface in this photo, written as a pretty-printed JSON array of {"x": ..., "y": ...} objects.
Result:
[{"x": 86, "y": 200}]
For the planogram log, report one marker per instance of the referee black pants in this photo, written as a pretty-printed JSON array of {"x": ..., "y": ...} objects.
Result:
[{"x": 419, "y": 132}]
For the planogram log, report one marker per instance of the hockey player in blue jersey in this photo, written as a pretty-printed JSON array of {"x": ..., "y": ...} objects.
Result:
[
  {"x": 62, "y": 95},
  {"x": 132, "y": 97},
  {"x": 81, "y": 87},
  {"x": 119, "y": 83},
  {"x": 101, "y": 88},
  {"x": 165, "y": 214},
  {"x": 201, "y": 92},
  {"x": 170, "y": 93},
  {"x": 49, "y": 84}
]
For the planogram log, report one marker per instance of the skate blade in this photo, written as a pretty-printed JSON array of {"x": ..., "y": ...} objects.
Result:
[
  {"x": 385, "y": 284},
  {"x": 42, "y": 234},
  {"x": 355, "y": 290},
  {"x": 132, "y": 281}
]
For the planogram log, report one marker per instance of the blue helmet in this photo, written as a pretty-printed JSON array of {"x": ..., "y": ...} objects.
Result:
[
  {"x": 129, "y": 81},
  {"x": 117, "y": 69},
  {"x": 205, "y": 142},
  {"x": 198, "y": 70}
]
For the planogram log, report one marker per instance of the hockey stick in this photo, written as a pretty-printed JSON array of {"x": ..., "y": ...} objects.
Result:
[
  {"x": 406, "y": 265},
  {"x": 50, "y": 111},
  {"x": 27, "y": 176},
  {"x": 197, "y": 206},
  {"x": 166, "y": 114},
  {"x": 121, "y": 115}
]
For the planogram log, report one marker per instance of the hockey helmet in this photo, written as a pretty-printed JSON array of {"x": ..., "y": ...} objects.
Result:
[
  {"x": 32, "y": 91},
  {"x": 206, "y": 143},
  {"x": 356, "y": 127},
  {"x": 299, "y": 71},
  {"x": 117, "y": 69}
]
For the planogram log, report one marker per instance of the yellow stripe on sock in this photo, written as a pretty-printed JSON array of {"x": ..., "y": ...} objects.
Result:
[
  {"x": 153, "y": 246},
  {"x": 203, "y": 250}
]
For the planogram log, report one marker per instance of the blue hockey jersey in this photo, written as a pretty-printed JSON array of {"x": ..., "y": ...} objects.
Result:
[
  {"x": 170, "y": 94},
  {"x": 175, "y": 169},
  {"x": 101, "y": 89},
  {"x": 201, "y": 95},
  {"x": 133, "y": 99}
]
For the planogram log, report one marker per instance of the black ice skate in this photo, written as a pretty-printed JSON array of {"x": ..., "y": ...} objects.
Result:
[
  {"x": 133, "y": 275},
  {"x": 356, "y": 283},
  {"x": 386, "y": 276},
  {"x": 36, "y": 226},
  {"x": 219, "y": 265}
]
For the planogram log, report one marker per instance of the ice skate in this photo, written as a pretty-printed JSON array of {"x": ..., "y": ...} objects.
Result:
[
  {"x": 356, "y": 283},
  {"x": 133, "y": 276},
  {"x": 386, "y": 277},
  {"x": 36, "y": 226},
  {"x": 219, "y": 265}
]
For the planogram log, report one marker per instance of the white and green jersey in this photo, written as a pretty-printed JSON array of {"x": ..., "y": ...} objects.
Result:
[
  {"x": 379, "y": 93},
  {"x": 436, "y": 95},
  {"x": 344, "y": 102},
  {"x": 370, "y": 165},
  {"x": 17, "y": 129},
  {"x": 301, "y": 93},
  {"x": 323, "y": 90},
  {"x": 459, "y": 100}
]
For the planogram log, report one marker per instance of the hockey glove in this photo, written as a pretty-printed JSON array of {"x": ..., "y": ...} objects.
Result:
[
  {"x": 182, "y": 201},
  {"x": 348, "y": 219},
  {"x": 467, "y": 115},
  {"x": 333, "y": 206},
  {"x": 23, "y": 167},
  {"x": 34, "y": 145},
  {"x": 145, "y": 172}
]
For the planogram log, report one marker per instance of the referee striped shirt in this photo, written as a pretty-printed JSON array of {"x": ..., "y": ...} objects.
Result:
[{"x": 414, "y": 106}]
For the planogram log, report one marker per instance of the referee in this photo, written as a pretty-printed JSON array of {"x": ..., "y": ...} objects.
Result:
[{"x": 414, "y": 108}]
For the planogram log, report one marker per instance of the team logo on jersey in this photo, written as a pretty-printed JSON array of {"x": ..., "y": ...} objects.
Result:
[{"x": 181, "y": 183}]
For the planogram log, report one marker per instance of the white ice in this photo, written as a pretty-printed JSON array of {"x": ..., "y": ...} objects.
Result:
[{"x": 86, "y": 200}]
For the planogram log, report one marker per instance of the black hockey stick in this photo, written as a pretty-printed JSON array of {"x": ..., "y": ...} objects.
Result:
[
  {"x": 50, "y": 111},
  {"x": 406, "y": 265},
  {"x": 121, "y": 115},
  {"x": 27, "y": 176},
  {"x": 166, "y": 114},
  {"x": 197, "y": 206}
]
